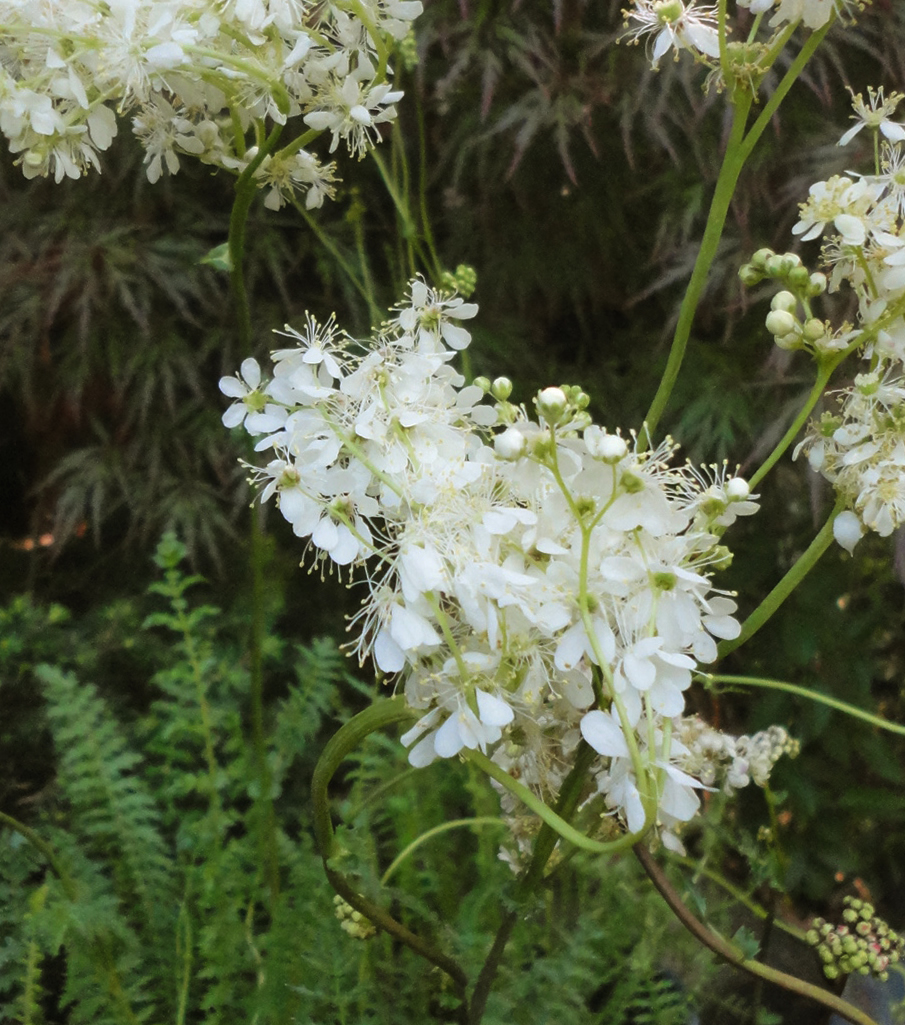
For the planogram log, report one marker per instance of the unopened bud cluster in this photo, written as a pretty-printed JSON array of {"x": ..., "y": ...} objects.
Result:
[
  {"x": 463, "y": 279},
  {"x": 790, "y": 320},
  {"x": 862, "y": 943},
  {"x": 351, "y": 921}
]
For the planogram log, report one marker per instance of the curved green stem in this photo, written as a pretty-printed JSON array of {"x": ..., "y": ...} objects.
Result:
[
  {"x": 46, "y": 851},
  {"x": 346, "y": 739},
  {"x": 811, "y": 695},
  {"x": 729, "y": 953},
  {"x": 549, "y": 816},
  {"x": 716, "y": 218},
  {"x": 444, "y": 827},
  {"x": 787, "y": 585}
]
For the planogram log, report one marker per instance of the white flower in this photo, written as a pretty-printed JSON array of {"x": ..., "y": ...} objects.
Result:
[
  {"x": 245, "y": 388},
  {"x": 460, "y": 729},
  {"x": 676, "y": 25},
  {"x": 875, "y": 114}
]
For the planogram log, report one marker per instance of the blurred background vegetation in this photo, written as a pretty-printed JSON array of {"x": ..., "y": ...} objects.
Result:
[{"x": 576, "y": 181}]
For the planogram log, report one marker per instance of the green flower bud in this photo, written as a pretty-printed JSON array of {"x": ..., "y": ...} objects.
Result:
[
  {"x": 501, "y": 388},
  {"x": 774, "y": 266},
  {"x": 784, "y": 301},
  {"x": 749, "y": 275},
  {"x": 466, "y": 280},
  {"x": 798, "y": 277},
  {"x": 814, "y": 329},
  {"x": 780, "y": 323},
  {"x": 817, "y": 284},
  {"x": 551, "y": 404},
  {"x": 759, "y": 260},
  {"x": 483, "y": 383}
]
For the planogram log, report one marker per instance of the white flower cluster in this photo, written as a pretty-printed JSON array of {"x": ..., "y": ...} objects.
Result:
[
  {"x": 732, "y": 762},
  {"x": 684, "y": 25},
  {"x": 198, "y": 76},
  {"x": 861, "y": 449},
  {"x": 701, "y": 754},
  {"x": 534, "y": 580},
  {"x": 813, "y": 14}
]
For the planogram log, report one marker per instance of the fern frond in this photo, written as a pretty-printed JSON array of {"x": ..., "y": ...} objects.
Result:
[{"x": 113, "y": 814}]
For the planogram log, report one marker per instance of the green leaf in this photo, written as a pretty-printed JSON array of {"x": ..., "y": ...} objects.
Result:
[
  {"x": 219, "y": 258},
  {"x": 747, "y": 942}
]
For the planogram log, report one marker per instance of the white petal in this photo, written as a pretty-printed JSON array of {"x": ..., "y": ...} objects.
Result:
[
  {"x": 234, "y": 415},
  {"x": 602, "y": 733},
  {"x": 448, "y": 740},
  {"x": 847, "y": 530},
  {"x": 493, "y": 711},
  {"x": 424, "y": 752},
  {"x": 389, "y": 657},
  {"x": 251, "y": 372}
]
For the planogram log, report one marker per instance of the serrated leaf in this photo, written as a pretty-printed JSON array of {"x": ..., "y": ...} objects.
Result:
[{"x": 747, "y": 942}]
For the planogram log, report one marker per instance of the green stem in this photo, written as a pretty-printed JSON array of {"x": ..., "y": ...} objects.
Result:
[
  {"x": 444, "y": 827},
  {"x": 46, "y": 851},
  {"x": 344, "y": 265},
  {"x": 825, "y": 372},
  {"x": 716, "y": 219},
  {"x": 811, "y": 695},
  {"x": 787, "y": 585},
  {"x": 422, "y": 193},
  {"x": 547, "y": 838},
  {"x": 267, "y": 825},
  {"x": 739, "y": 895},
  {"x": 738, "y": 150},
  {"x": 549, "y": 816},
  {"x": 729, "y": 953},
  {"x": 779, "y": 94},
  {"x": 346, "y": 739},
  {"x": 246, "y": 189}
]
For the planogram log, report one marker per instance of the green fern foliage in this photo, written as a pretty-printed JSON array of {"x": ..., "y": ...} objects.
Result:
[{"x": 137, "y": 894}]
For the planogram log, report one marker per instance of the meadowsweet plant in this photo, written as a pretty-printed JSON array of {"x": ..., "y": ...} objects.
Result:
[
  {"x": 539, "y": 591},
  {"x": 200, "y": 79},
  {"x": 533, "y": 578}
]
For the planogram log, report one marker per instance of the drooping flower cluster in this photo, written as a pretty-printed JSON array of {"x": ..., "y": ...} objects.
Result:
[
  {"x": 533, "y": 580},
  {"x": 860, "y": 447},
  {"x": 197, "y": 76}
]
